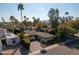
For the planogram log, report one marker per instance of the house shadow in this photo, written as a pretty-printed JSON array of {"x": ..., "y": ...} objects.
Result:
[
  {"x": 73, "y": 45},
  {"x": 4, "y": 47}
]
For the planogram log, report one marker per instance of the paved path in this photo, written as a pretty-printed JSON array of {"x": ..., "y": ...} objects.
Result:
[
  {"x": 33, "y": 47},
  {"x": 71, "y": 48},
  {"x": 55, "y": 49},
  {"x": 47, "y": 48},
  {"x": 61, "y": 50}
]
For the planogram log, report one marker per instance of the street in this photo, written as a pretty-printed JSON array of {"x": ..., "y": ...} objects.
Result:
[{"x": 71, "y": 48}]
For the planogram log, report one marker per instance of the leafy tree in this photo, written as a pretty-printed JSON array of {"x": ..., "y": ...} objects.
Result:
[
  {"x": 40, "y": 25},
  {"x": 65, "y": 30},
  {"x": 53, "y": 15}
]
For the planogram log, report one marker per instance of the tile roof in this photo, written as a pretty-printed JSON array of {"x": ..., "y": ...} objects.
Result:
[{"x": 41, "y": 34}]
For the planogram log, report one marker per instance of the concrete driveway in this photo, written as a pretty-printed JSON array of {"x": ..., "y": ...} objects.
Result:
[
  {"x": 34, "y": 46},
  {"x": 71, "y": 48}
]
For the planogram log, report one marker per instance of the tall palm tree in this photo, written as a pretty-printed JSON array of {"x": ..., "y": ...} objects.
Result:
[{"x": 21, "y": 7}]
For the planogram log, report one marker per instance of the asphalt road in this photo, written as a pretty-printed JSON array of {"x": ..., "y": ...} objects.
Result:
[{"x": 71, "y": 48}]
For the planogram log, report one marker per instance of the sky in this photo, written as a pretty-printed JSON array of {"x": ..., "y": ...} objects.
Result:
[{"x": 37, "y": 10}]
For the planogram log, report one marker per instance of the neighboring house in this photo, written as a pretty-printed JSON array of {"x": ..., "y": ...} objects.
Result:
[
  {"x": 7, "y": 38},
  {"x": 40, "y": 36},
  {"x": 12, "y": 39},
  {"x": 45, "y": 37},
  {"x": 32, "y": 34}
]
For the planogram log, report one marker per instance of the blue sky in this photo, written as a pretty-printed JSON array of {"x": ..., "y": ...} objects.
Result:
[{"x": 37, "y": 10}]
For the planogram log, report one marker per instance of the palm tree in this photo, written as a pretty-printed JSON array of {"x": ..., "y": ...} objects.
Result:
[
  {"x": 13, "y": 19},
  {"x": 67, "y": 13},
  {"x": 25, "y": 21},
  {"x": 34, "y": 21},
  {"x": 25, "y": 18},
  {"x": 4, "y": 23},
  {"x": 20, "y": 7},
  {"x": 3, "y": 19}
]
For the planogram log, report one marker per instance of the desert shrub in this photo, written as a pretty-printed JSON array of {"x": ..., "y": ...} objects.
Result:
[{"x": 25, "y": 41}]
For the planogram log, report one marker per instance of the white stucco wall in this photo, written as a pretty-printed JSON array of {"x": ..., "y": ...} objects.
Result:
[
  {"x": 0, "y": 46},
  {"x": 9, "y": 39}
]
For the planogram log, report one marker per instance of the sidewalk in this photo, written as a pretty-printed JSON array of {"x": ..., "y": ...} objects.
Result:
[
  {"x": 47, "y": 48},
  {"x": 52, "y": 46}
]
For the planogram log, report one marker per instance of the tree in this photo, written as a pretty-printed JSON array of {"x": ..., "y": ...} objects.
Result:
[
  {"x": 21, "y": 7},
  {"x": 3, "y": 19},
  {"x": 40, "y": 25},
  {"x": 14, "y": 22},
  {"x": 25, "y": 21},
  {"x": 34, "y": 21},
  {"x": 53, "y": 15},
  {"x": 25, "y": 18},
  {"x": 4, "y": 23},
  {"x": 67, "y": 13},
  {"x": 65, "y": 30}
]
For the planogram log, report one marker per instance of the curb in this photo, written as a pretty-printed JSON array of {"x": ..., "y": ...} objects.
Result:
[{"x": 47, "y": 48}]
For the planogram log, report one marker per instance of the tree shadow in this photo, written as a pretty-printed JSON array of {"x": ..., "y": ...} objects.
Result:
[
  {"x": 73, "y": 45},
  {"x": 23, "y": 50}
]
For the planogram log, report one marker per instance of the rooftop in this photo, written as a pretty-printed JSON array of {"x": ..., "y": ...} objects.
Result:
[{"x": 41, "y": 34}]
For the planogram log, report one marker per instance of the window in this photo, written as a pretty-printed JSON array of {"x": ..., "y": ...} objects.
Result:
[{"x": 13, "y": 40}]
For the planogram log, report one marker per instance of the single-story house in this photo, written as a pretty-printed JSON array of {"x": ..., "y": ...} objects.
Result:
[
  {"x": 12, "y": 39},
  {"x": 7, "y": 38},
  {"x": 45, "y": 37},
  {"x": 40, "y": 36}
]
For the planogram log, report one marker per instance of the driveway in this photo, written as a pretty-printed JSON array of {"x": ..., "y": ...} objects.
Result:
[
  {"x": 71, "y": 48},
  {"x": 34, "y": 46}
]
